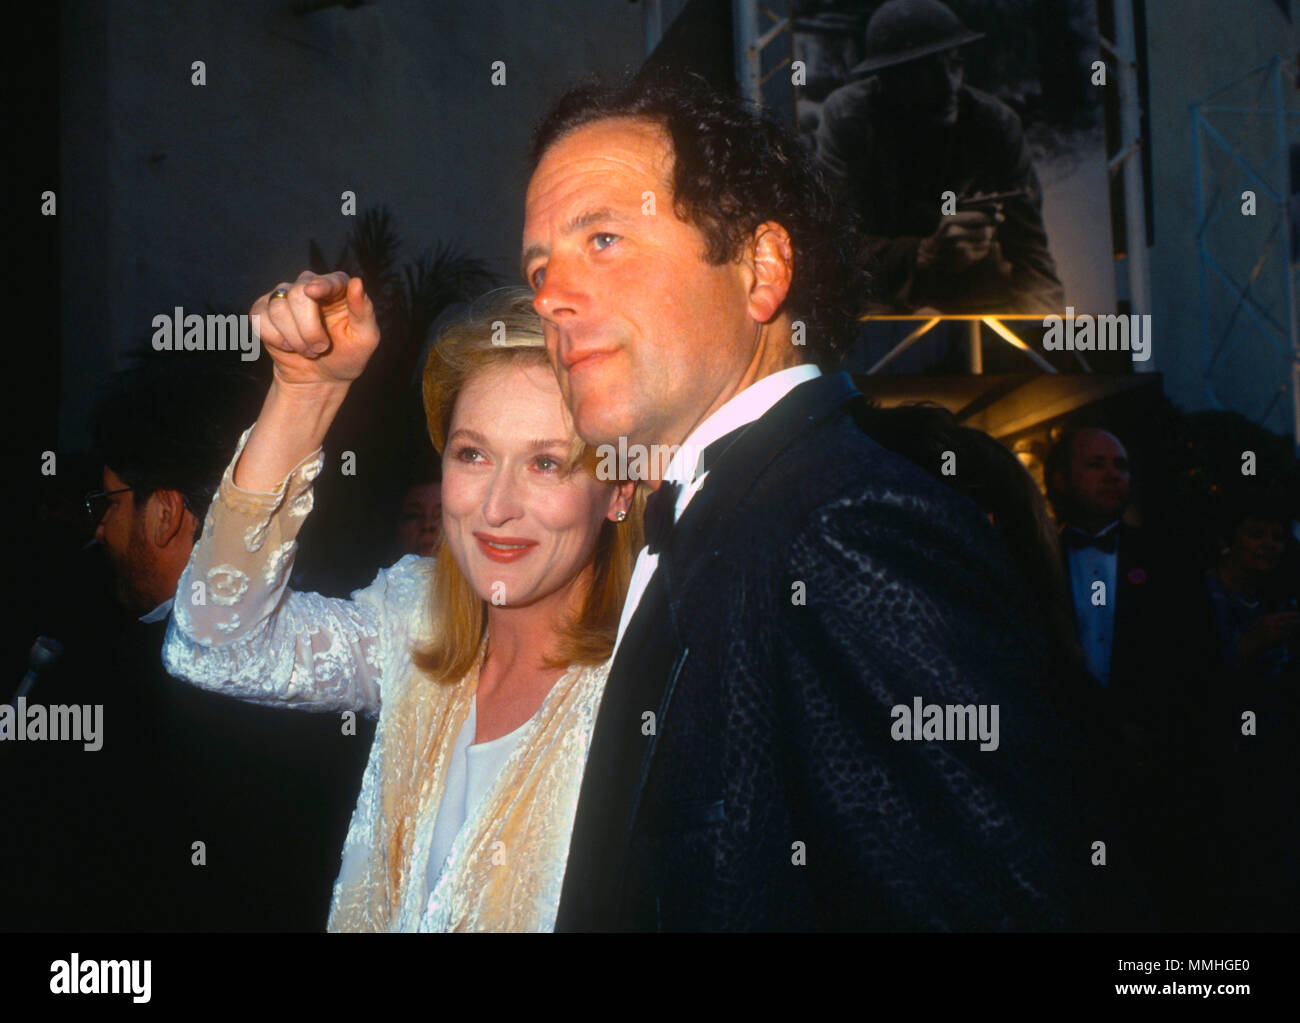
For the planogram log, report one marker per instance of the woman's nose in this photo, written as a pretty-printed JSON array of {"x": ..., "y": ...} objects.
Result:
[{"x": 500, "y": 503}]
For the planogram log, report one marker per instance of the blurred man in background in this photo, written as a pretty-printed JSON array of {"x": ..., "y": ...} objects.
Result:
[{"x": 172, "y": 823}]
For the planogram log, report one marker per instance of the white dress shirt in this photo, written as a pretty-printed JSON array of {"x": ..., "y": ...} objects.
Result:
[
  {"x": 745, "y": 407},
  {"x": 158, "y": 613},
  {"x": 1096, "y": 623}
]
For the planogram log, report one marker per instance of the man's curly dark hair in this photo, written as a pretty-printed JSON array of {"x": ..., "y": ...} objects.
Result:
[{"x": 735, "y": 167}]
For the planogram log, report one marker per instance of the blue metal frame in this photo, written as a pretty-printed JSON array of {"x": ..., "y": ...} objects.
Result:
[{"x": 1209, "y": 206}]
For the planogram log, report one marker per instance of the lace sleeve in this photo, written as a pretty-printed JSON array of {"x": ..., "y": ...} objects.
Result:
[{"x": 237, "y": 629}]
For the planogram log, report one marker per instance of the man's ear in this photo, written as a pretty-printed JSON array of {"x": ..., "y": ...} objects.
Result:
[
  {"x": 769, "y": 256},
  {"x": 165, "y": 517}
]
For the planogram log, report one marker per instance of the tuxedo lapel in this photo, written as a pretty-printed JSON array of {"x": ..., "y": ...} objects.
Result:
[
  {"x": 1130, "y": 573},
  {"x": 1069, "y": 584},
  {"x": 741, "y": 465},
  {"x": 651, "y": 658},
  {"x": 1123, "y": 554},
  {"x": 617, "y": 762}
]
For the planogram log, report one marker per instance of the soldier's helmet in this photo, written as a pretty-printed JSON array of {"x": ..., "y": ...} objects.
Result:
[{"x": 902, "y": 31}]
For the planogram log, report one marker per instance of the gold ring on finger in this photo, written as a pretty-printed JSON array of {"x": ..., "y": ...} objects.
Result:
[{"x": 278, "y": 293}]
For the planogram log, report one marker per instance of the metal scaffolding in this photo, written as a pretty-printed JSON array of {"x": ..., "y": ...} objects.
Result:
[
  {"x": 763, "y": 40},
  {"x": 1261, "y": 289},
  {"x": 756, "y": 29},
  {"x": 1123, "y": 50}
]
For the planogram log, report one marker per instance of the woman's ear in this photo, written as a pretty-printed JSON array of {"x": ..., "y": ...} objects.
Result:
[{"x": 621, "y": 501}]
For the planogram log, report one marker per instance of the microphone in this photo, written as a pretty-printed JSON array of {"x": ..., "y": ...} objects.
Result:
[{"x": 45, "y": 651}]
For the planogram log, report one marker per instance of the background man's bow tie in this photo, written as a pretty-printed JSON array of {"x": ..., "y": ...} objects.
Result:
[
  {"x": 1075, "y": 538},
  {"x": 662, "y": 504}
]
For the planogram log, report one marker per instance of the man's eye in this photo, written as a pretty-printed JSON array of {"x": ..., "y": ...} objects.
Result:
[
  {"x": 597, "y": 239},
  {"x": 537, "y": 278},
  {"x": 546, "y": 463}
]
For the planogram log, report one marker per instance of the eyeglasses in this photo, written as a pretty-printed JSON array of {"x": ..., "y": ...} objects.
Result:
[{"x": 97, "y": 502}]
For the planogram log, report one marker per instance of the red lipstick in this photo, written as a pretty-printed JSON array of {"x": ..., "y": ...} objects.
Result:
[{"x": 504, "y": 548}]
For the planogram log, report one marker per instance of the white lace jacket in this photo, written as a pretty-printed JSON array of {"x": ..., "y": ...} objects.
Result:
[{"x": 237, "y": 629}]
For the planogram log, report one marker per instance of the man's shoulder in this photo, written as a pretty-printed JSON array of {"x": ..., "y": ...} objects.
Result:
[
  {"x": 856, "y": 94},
  {"x": 1154, "y": 556},
  {"x": 985, "y": 110},
  {"x": 853, "y": 102},
  {"x": 835, "y": 458},
  {"x": 829, "y": 471},
  {"x": 1143, "y": 541}
]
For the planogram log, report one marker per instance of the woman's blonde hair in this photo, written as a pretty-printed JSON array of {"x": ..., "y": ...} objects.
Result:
[{"x": 502, "y": 329}]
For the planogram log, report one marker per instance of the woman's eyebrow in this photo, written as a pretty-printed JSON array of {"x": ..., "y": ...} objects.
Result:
[{"x": 533, "y": 445}]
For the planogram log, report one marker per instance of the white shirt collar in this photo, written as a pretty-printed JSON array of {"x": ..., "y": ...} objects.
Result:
[
  {"x": 158, "y": 613},
  {"x": 747, "y": 406},
  {"x": 1100, "y": 533}
]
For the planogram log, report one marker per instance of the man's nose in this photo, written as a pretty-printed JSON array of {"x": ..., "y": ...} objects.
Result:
[{"x": 559, "y": 295}]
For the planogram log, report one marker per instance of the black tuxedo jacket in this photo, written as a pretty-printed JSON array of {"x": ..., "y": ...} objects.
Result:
[
  {"x": 742, "y": 774},
  {"x": 1147, "y": 598},
  {"x": 1154, "y": 707},
  {"x": 1160, "y": 650}
]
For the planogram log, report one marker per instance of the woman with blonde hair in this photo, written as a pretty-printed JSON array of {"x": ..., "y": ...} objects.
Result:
[{"x": 485, "y": 664}]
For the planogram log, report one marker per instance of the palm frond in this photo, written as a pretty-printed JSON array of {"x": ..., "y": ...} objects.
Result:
[{"x": 439, "y": 278}]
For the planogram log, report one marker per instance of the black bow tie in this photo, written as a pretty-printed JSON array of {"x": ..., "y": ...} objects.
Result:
[
  {"x": 1076, "y": 539},
  {"x": 659, "y": 508},
  {"x": 662, "y": 504}
]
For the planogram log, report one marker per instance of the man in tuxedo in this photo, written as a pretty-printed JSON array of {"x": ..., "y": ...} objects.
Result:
[
  {"x": 1138, "y": 629},
  {"x": 801, "y": 585},
  {"x": 1089, "y": 482},
  {"x": 1128, "y": 592}
]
